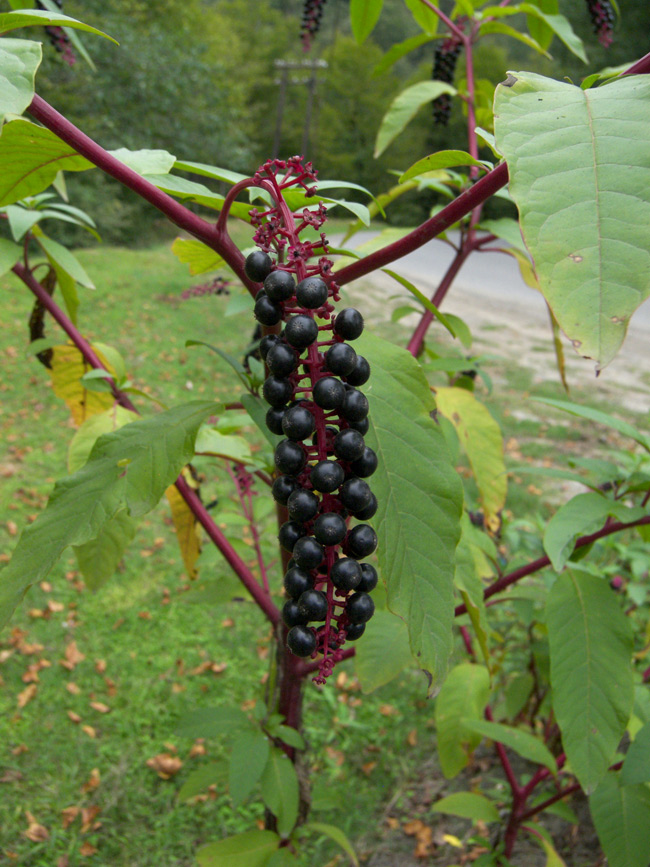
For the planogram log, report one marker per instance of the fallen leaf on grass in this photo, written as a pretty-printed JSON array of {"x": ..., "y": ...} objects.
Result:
[
  {"x": 27, "y": 695},
  {"x": 88, "y": 816},
  {"x": 5, "y": 655},
  {"x": 111, "y": 686},
  {"x": 228, "y": 623},
  {"x": 73, "y": 688},
  {"x": 74, "y": 716},
  {"x": 87, "y": 849},
  {"x": 100, "y": 707},
  {"x": 368, "y": 768},
  {"x": 100, "y": 666},
  {"x": 336, "y": 755},
  {"x": 11, "y": 776},
  {"x": 63, "y": 861},
  {"x": 92, "y": 782},
  {"x": 73, "y": 656},
  {"x": 215, "y": 667},
  {"x": 165, "y": 765},
  {"x": 198, "y": 748},
  {"x": 69, "y": 814},
  {"x": 55, "y": 607},
  {"x": 37, "y": 613},
  {"x": 144, "y": 615},
  {"x": 19, "y": 750},
  {"x": 45, "y": 586},
  {"x": 412, "y": 738},
  {"x": 12, "y": 528},
  {"x": 423, "y": 837},
  {"x": 90, "y": 731},
  {"x": 35, "y": 832},
  {"x": 388, "y": 710},
  {"x": 31, "y": 675}
]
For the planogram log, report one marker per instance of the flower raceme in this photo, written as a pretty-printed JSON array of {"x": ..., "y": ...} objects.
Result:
[
  {"x": 602, "y": 18},
  {"x": 316, "y": 405}
]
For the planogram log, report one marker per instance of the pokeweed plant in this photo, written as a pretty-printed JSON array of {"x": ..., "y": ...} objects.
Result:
[{"x": 561, "y": 688}]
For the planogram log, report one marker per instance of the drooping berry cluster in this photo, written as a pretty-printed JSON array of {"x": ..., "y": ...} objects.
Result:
[
  {"x": 59, "y": 38},
  {"x": 217, "y": 286},
  {"x": 312, "y": 13},
  {"x": 444, "y": 68},
  {"x": 316, "y": 405},
  {"x": 602, "y": 17}
]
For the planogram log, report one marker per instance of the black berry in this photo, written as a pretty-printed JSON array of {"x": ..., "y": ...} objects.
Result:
[
  {"x": 308, "y": 553},
  {"x": 257, "y": 266},
  {"x": 345, "y": 574},
  {"x": 361, "y": 373},
  {"x": 361, "y": 541},
  {"x": 266, "y": 343},
  {"x": 290, "y": 457},
  {"x": 298, "y": 423},
  {"x": 300, "y": 331},
  {"x": 340, "y": 359},
  {"x": 330, "y": 528},
  {"x": 359, "y": 608},
  {"x": 281, "y": 359},
  {"x": 348, "y": 445},
  {"x": 369, "y": 578},
  {"x": 313, "y": 605},
  {"x": 277, "y": 391},
  {"x": 274, "y": 418},
  {"x": 362, "y": 426},
  {"x": 311, "y": 293},
  {"x": 303, "y": 505},
  {"x": 283, "y": 487},
  {"x": 329, "y": 393},
  {"x": 365, "y": 465},
  {"x": 354, "y": 631},
  {"x": 296, "y": 581},
  {"x": 327, "y": 476},
  {"x": 349, "y": 324},
  {"x": 291, "y": 614},
  {"x": 301, "y": 641},
  {"x": 290, "y": 533},
  {"x": 355, "y": 494},
  {"x": 280, "y": 285},
  {"x": 370, "y": 510},
  {"x": 355, "y": 405},
  {"x": 266, "y": 312}
]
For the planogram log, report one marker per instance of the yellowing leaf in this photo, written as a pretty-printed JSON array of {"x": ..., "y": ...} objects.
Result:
[
  {"x": 186, "y": 526},
  {"x": 481, "y": 438},
  {"x": 68, "y": 366},
  {"x": 197, "y": 255}
]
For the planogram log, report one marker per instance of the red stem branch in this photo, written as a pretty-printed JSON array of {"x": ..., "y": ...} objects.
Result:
[{"x": 190, "y": 496}]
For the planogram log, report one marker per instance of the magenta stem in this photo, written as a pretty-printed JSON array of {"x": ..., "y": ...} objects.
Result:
[
  {"x": 173, "y": 210},
  {"x": 190, "y": 496},
  {"x": 444, "y": 18}
]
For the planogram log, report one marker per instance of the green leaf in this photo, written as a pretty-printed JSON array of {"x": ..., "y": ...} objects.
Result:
[
  {"x": 558, "y": 24},
  {"x": 428, "y": 305},
  {"x": 521, "y": 742},
  {"x": 425, "y": 17},
  {"x": 10, "y": 253},
  {"x": 472, "y": 566},
  {"x": 42, "y": 18},
  {"x": 250, "y": 753},
  {"x": 257, "y": 410},
  {"x": 30, "y": 158},
  {"x": 289, "y": 736},
  {"x": 404, "y": 108},
  {"x": 489, "y": 27},
  {"x": 200, "y": 779},
  {"x": 99, "y": 558},
  {"x": 250, "y": 849},
  {"x": 197, "y": 255},
  {"x": 282, "y": 858},
  {"x": 364, "y": 14},
  {"x": 517, "y": 692},
  {"x": 145, "y": 162},
  {"x": 280, "y": 790},
  {"x": 541, "y": 836},
  {"x": 463, "y": 696},
  {"x": 128, "y": 469},
  {"x": 235, "y": 448},
  {"x": 467, "y": 805},
  {"x": 401, "y": 49},
  {"x": 211, "y": 722},
  {"x": 539, "y": 30},
  {"x": 589, "y": 245},
  {"x": 62, "y": 259},
  {"x": 591, "y": 673},
  {"x": 420, "y": 501},
  {"x": 334, "y": 834},
  {"x": 442, "y": 160},
  {"x": 19, "y": 60},
  {"x": 481, "y": 438},
  {"x": 506, "y": 229},
  {"x": 621, "y": 815},
  {"x": 383, "y": 652},
  {"x": 596, "y": 415},
  {"x": 209, "y": 171},
  {"x": 583, "y": 514},
  {"x": 636, "y": 767},
  {"x": 95, "y": 426}
]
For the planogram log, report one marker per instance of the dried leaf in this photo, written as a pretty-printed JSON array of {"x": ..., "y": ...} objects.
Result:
[
  {"x": 73, "y": 656},
  {"x": 11, "y": 776},
  {"x": 69, "y": 814},
  {"x": 55, "y": 607},
  {"x": 88, "y": 816},
  {"x": 19, "y": 750},
  {"x": 388, "y": 710},
  {"x": 165, "y": 765},
  {"x": 90, "y": 731},
  {"x": 187, "y": 527},
  {"x": 198, "y": 748},
  {"x": 74, "y": 716},
  {"x": 100, "y": 666},
  {"x": 73, "y": 688},
  {"x": 87, "y": 849},
  {"x": 92, "y": 782},
  {"x": 26, "y": 695},
  {"x": 35, "y": 832},
  {"x": 412, "y": 738},
  {"x": 368, "y": 768},
  {"x": 12, "y": 528},
  {"x": 100, "y": 707}
]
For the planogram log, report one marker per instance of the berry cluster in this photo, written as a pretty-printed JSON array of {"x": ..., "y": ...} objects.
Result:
[
  {"x": 58, "y": 37},
  {"x": 602, "y": 17},
  {"x": 311, "y": 15},
  {"x": 444, "y": 68},
  {"x": 316, "y": 405},
  {"x": 218, "y": 286}
]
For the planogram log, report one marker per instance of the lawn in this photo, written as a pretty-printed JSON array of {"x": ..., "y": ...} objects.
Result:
[{"x": 94, "y": 684}]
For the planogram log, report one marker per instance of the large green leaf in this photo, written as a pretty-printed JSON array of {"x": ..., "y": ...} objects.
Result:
[
  {"x": 591, "y": 674},
  {"x": 395, "y": 52},
  {"x": 583, "y": 514},
  {"x": 558, "y": 24},
  {"x": 334, "y": 834},
  {"x": 425, "y": 17},
  {"x": 197, "y": 255},
  {"x": 203, "y": 777},
  {"x": 636, "y": 768},
  {"x": 364, "y": 14},
  {"x": 42, "y": 18},
  {"x": 280, "y": 790},
  {"x": 420, "y": 502},
  {"x": 404, "y": 107},
  {"x": 462, "y": 697},
  {"x": 579, "y": 176},
  {"x": 472, "y": 565},
  {"x": 521, "y": 742},
  {"x": 467, "y": 805},
  {"x": 250, "y": 849},
  {"x": 10, "y": 253},
  {"x": 19, "y": 60},
  {"x": 128, "y": 469},
  {"x": 600, "y": 417},
  {"x": 250, "y": 753},
  {"x": 481, "y": 438},
  {"x": 146, "y": 162},
  {"x": 30, "y": 158},
  {"x": 98, "y": 559},
  {"x": 63, "y": 260},
  {"x": 442, "y": 160},
  {"x": 383, "y": 652},
  {"x": 621, "y": 815}
]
